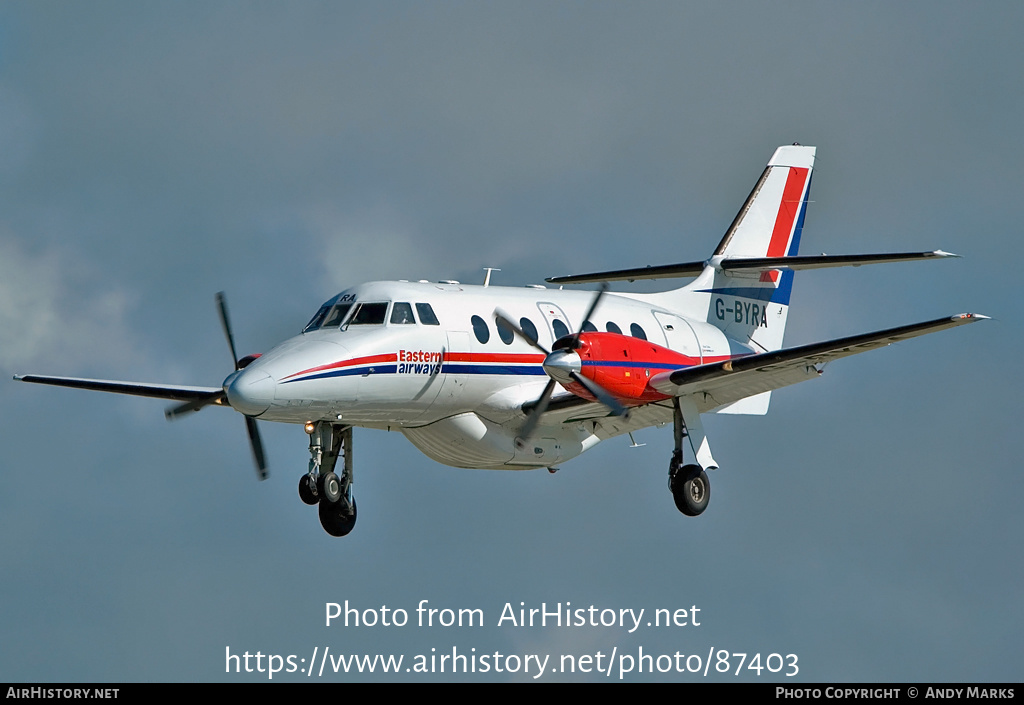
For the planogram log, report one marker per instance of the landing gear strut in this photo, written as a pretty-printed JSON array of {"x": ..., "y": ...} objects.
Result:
[
  {"x": 689, "y": 484},
  {"x": 322, "y": 484}
]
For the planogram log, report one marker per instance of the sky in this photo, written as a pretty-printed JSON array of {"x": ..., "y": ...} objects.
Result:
[{"x": 153, "y": 154}]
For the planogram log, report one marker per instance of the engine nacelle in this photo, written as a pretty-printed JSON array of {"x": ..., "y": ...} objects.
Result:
[{"x": 624, "y": 366}]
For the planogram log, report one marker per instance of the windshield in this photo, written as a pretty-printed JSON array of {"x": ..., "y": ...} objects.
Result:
[
  {"x": 337, "y": 314},
  {"x": 350, "y": 313},
  {"x": 369, "y": 314},
  {"x": 330, "y": 314},
  {"x": 316, "y": 321}
]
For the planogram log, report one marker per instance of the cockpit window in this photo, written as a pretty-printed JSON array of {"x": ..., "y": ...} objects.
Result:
[
  {"x": 337, "y": 315},
  {"x": 401, "y": 312},
  {"x": 368, "y": 314},
  {"x": 318, "y": 319},
  {"x": 427, "y": 316}
]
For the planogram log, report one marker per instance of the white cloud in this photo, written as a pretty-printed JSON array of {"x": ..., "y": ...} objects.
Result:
[
  {"x": 373, "y": 243},
  {"x": 50, "y": 313}
]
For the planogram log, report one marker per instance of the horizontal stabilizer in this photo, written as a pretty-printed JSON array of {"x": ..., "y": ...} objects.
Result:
[
  {"x": 732, "y": 380},
  {"x": 740, "y": 264},
  {"x": 822, "y": 261},
  {"x": 664, "y": 271}
]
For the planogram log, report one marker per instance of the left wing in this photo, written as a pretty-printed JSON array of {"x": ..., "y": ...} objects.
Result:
[{"x": 726, "y": 382}]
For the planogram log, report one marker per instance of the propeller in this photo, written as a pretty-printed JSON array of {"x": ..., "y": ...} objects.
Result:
[
  {"x": 225, "y": 323},
  {"x": 590, "y": 312},
  {"x": 541, "y": 405},
  {"x": 220, "y": 398}
]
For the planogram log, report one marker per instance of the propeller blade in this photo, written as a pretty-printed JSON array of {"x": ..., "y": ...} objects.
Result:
[
  {"x": 541, "y": 405},
  {"x": 222, "y": 307},
  {"x": 539, "y": 408},
  {"x": 195, "y": 405},
  {"x": 590, "y": 312},
  {"x": 255, "y": 442},
  {"x": 502, "y": 318},
  {"x": 257, "y": 447},
  {"x": 600, "y": 393}
]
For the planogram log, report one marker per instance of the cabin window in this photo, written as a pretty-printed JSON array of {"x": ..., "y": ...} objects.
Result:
[
  {"x": 612, "y": 328},
  {"x": 401, "y": 313},
  {"x": 531, "y": 330},
  {"x": 589, "y": 327},
  {"x": 504, "y": 332},
  {"x": 368, "y": 314},
  {"x": 480, "y": 329},
  {"x": 427, "y": 316},
  {"x": 637, "y": 331},
  {"x": 561, "y": 330}
]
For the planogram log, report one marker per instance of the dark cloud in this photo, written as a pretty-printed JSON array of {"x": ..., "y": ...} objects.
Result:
[{"x": 155, "y": 154}]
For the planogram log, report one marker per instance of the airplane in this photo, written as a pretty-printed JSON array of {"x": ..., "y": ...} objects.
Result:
[{"x": 505, "y": 378}]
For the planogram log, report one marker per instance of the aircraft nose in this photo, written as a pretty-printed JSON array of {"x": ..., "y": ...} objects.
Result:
[
  {"x": 561, "y": 363},
  {"x": 250, "y": 391}
]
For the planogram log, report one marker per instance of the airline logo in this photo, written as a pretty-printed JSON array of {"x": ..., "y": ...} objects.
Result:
[{"x": 419, "y": 362}]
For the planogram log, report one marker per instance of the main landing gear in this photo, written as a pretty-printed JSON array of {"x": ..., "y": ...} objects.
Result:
[
  {"x": 689, "y": 484},
  {"x": 322, "y": 485},
  {"x": 690, "y": 487}
]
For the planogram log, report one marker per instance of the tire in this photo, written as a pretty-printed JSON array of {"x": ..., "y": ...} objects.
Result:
[
  {"x": 308, "y": 493},
  {"x": 335, "y": 521},
  {"x": 330, "y": 488},
  {"x": 691, "y": 490}
]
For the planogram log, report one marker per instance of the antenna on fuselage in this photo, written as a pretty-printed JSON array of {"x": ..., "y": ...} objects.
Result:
[{"x": 487, "y": 277}]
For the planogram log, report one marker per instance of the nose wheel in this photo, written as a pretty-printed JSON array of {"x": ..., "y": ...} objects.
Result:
[
  {"x": 308, "y": 492},
  {"x": 338, "y": 519},
  {"x": 325, "y": 487}
]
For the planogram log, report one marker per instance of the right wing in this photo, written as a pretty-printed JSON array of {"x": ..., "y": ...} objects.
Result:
[
  {"x": 194, "y": 397},
  {"x": 722, "y": 383}
]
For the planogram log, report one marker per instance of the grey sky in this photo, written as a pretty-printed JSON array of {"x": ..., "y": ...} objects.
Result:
[{"x": 155, "y": 153}]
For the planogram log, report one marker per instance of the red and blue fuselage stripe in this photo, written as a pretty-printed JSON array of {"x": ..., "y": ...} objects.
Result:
[{"x": 470, "y": 363}]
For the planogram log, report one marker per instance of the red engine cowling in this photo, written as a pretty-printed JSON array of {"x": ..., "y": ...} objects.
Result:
[{"x": 624, "y": 366}]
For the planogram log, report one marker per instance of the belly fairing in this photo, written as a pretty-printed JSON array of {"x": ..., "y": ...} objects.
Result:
[{"x": 468, "y": 440}]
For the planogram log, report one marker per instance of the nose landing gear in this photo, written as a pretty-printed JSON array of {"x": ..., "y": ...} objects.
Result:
[{"x": 322, "y": 485}]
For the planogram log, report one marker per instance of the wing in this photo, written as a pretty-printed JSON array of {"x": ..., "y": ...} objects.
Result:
[
  {"x": 725, "y": 382},
  {"x": 208, "y": 395}
]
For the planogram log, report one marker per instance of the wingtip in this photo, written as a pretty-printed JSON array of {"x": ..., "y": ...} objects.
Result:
[
  {"x": 972, "y": 317},
  {"x": 943, "y": 253}
]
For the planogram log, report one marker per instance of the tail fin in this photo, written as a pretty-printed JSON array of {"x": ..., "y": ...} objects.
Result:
[{"x": 751, "y": 306}]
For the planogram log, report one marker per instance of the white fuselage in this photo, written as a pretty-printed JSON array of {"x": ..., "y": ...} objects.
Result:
[{"x": 456, "y": 388}]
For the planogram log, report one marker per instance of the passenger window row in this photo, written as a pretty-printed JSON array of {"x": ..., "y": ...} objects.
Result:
[{"x": 483, "y": 332}]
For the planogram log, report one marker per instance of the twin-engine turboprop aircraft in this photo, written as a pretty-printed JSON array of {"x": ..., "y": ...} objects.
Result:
[{"x": 519, "y": 378}]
